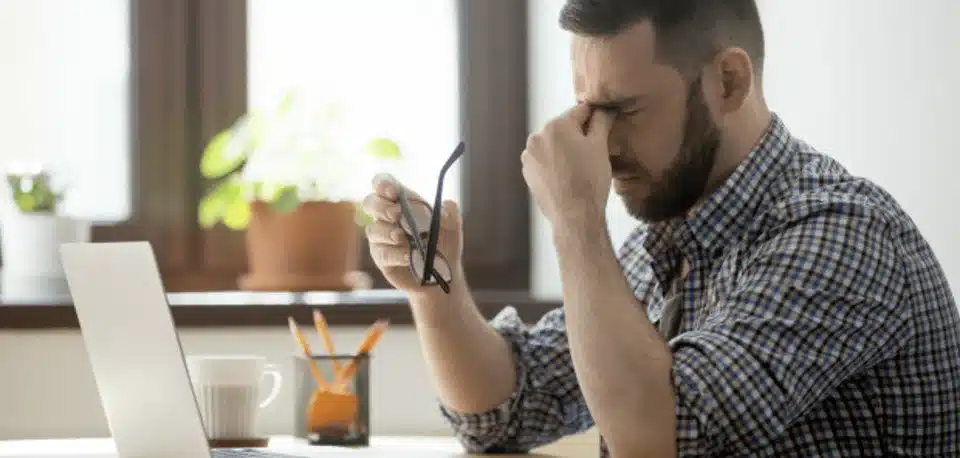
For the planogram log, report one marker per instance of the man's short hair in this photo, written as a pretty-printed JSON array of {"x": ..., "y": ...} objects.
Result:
[{"x": 687, "y": 32}]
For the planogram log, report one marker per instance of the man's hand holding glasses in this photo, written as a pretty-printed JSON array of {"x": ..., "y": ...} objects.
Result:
[{"x": 416, "y": 251}]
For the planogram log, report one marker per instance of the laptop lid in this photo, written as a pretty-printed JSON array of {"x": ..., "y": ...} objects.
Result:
[{"x": 134, "y": 350}]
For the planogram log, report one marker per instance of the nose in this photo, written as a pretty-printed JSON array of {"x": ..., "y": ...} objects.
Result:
[
  {"x": 615, "y": 141},
  {"x": 613, "y": 148}
]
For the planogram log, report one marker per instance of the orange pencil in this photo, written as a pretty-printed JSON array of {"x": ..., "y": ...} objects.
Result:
[
  {"x": 373, "y": 336},
  {"x": 321, "y": 325},
  {"x": 302, "y": 340}
]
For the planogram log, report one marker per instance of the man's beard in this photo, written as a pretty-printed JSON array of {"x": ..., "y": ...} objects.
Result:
[{"x": 686, "y": 179}]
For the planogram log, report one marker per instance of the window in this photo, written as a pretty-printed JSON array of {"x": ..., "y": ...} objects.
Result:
[
  {"x": 391, "y": 63},
  {"x": 169, "y": 74},
  {"x": 65, "y": 89},
  {"x": 196, "y": 65}
]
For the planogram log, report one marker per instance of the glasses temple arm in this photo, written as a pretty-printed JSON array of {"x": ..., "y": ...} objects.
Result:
[{"x": 437, "y": 210}]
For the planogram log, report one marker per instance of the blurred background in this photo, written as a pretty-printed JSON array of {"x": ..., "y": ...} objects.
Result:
[{"x": 119, "y": 100}]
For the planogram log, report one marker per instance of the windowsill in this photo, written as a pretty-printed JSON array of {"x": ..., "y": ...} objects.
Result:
[{"x": 253, "y": 309}]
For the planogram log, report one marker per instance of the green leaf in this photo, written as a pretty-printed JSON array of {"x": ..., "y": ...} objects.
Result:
[
  {"x": 32, "y": 193},
  {"x": 218, "y": 159},
  {"x": 287, "y": 200},
  {"x": 26, "y": 202},
  {"x": 384, "y": 148},
  {"x": 211, "y": 210},
  {"x": 215, "y": 206},
  {"x": 14, "y": 182},
  {"x": 44, "y": 200},
  {"x": 237, "y": 215}
]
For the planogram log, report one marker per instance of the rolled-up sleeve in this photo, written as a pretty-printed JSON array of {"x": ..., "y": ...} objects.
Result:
[
  {"x": 813, "y": 305},
  {"x": 546, "y": 404}
]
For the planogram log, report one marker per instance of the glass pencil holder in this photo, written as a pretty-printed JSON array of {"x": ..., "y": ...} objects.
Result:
[{"x": 335, "y": 410}]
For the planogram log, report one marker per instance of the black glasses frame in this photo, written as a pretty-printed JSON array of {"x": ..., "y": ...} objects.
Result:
[{"x": 428, "y": 252}]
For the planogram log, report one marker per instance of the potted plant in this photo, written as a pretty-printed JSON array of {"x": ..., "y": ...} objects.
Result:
[
  {"x": 291, "y": 177},
  {"x": 32, "y": 231}
]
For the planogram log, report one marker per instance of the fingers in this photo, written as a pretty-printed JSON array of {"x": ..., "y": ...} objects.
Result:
[
  {"x": 579, "y": 121},
  {"x": 579, "y": 114},
  {"x": 389, "y": 247},
  {"x": 382, "y": 203},
  {"x": 381, "y": 208},
  {"x": 390, "y": 256},
  {"x": 450, "y": 219},
  {"x": 601, "y": 122},
  {"x": 592, "y": 122},
  {"x": 384, "y": 233},
  {"x": 386, "y": 186}
]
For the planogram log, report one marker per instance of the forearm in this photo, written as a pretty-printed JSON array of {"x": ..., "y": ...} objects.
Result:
[
  {"x": 471, "y": 364},
  {"x": 622, "y": 363}
]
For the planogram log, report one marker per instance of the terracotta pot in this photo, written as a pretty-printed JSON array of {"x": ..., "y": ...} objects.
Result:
[{"x": 312, "y": 248}]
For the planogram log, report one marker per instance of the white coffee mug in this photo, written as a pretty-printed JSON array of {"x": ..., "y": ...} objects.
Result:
[{"x": 228, "y": 392}]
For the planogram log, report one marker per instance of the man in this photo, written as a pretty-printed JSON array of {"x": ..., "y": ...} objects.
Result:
[{"x": 773, "y": 304}]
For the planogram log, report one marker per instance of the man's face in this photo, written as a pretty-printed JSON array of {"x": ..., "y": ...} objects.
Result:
[{"x": 664, "y": 141}]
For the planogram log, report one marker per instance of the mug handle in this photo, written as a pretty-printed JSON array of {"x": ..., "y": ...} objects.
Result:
[{"x": 271, "y": 370}]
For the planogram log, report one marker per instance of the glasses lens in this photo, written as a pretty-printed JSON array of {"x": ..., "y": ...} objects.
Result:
[
  {"x": 440, "y": 265},
  {"x": 420, "y": 212}
]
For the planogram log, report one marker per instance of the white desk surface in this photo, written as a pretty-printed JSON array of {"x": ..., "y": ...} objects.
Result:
[{"x": 380, "y": 446}]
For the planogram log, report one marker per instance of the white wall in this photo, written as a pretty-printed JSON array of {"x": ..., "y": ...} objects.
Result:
[
  {"x": 871, "y": 82},
  {"x": 47, "y": 388},
  {"x": 874, "y": 84}
]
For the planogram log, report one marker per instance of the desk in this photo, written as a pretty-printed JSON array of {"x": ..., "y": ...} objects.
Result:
[{"x": 380, "y": 446}]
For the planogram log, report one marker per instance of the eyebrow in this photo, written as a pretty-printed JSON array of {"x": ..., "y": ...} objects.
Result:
[{"x": 616, "y": 103}]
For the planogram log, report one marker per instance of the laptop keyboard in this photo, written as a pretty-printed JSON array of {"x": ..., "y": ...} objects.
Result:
[{"x": 249, "y": 453}]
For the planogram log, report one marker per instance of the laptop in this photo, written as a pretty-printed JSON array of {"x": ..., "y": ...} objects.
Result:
[{"x": 137, "y": 358}]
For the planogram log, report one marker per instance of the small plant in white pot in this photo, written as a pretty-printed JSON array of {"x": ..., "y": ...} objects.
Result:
[
  {"x": 292, "y": 177},
  {"x": 31, "y": 232}
]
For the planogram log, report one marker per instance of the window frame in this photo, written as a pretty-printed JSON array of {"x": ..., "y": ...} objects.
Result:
[
  {"x": 189, "y": 81},
  {"x": 159, "y": 138}
]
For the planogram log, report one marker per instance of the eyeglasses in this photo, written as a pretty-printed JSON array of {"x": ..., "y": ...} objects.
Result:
[{"x": 430, "y": 266}]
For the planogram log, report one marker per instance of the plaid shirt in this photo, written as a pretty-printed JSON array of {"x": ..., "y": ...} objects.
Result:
[{"x": 814, "y": 321}]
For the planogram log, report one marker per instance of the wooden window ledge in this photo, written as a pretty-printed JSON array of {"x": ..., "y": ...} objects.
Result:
[{"x": 253, "y": 309}]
